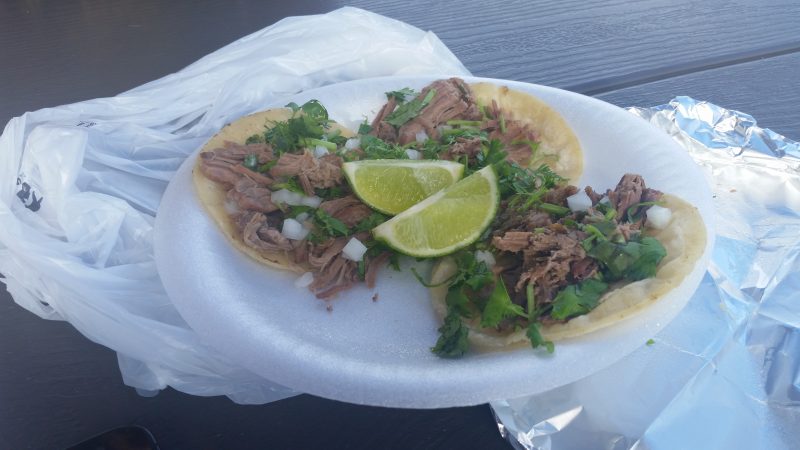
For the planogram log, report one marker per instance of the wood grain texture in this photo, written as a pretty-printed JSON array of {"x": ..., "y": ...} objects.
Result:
[
  {"x": 586, "y": 45},
  {"x": 57, "y": 388},
  {"x": 766, "y": 89}
]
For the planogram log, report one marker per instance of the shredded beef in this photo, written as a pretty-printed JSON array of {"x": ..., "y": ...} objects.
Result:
[
  {"x": 512, "y": 241},
  {"x": 628, "y": 192},
  {"x": 593, "y": 196},
  {"x": 312, "y": 172},
  {"x": 339, "y": 275},
  {"x": 453, "y": 99},
  {"x": 469, "y": 147},
  {"x": 259, "y": 235},
  {"x": 349, "y": 209},
  {"x": 250, "y": 196},
  {"x": 558, "y": 196}
]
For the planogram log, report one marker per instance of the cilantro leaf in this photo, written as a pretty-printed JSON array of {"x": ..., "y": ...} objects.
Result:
[
  {"x": 458, "y": 300},
  {"x": 452, "y": 342},
  {"x": 287, "y": 136},
  {"x": 251, "y": 162},
  {"x": 364, "y": 128},
  {"x": 372, "y": 221},
  {"x": 535, "y": 336},
  {"x": 634, "y": 260},
  {"x": 376, "y": 148},
  {"x": 499, "y": 306},
  {"x": 402, "y": 94},
  {"x": 329, "y": 224},
  {"x": 409, "y": 110},
  {"x": 577, "y": 299}
]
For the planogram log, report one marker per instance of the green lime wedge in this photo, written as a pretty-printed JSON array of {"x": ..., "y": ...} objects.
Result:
[
  {"x": 391, "y": 186},
  {"x": 446, "y": 221}
]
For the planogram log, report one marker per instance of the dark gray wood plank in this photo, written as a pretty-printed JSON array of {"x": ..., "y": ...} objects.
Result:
[
  {"x": 57, "y": 388},
  {"x": 587, "y": 46},
  {"x": 64, "y": 52},
  {"x": 766, "y": 89}
]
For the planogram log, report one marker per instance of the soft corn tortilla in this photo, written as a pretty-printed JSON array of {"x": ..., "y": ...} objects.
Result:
[
  {"x": 684, "y": 239},
  {"x": 212, "y": 195},
  {"x": 556, "y": 138}
]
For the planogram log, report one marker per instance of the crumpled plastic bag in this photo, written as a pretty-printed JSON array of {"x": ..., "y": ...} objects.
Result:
[{"x": 81, "y": 184}]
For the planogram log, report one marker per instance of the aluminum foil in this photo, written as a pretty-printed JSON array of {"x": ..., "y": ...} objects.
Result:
[{"x": 726, "y": 372}]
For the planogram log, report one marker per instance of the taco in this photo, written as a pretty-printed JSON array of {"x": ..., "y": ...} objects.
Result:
[
  {"x": 531, "y": 132},
  {"x": 273, "y": 181},
  {"x": 560, "y": 274}
]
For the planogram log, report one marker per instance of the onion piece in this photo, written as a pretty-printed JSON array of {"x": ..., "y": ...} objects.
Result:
[
  {"x": 658, "y": 217},
  {"x": 486, "y": 257},
  {"x": 293, "y": 229},
  {"x": 421, "y": 136},
  {"x": 311, "y": 201},
  {"x": 352, "y": 143},
  {"x": 579, "y": 202},
  {"x": 354, "y": 250},
  {"x": 304, "y": 280},
  {"x": 320, "y": 151},
  {"x": 302, "y": 217},
  {"x": 294, "y": 199},
  {"x": 413, "y": 154}
]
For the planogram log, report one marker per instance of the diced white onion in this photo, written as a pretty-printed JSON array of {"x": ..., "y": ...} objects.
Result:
[
  {"x": 320, "y": 151},
  {"x": 352, "y": 143},
  {"x": 486, "y": 256},
  {"x": 311, "y": 201},
  {"x": 442, "y": 128},
  {"x": 579, "y": 202},
  {"x": 293, "y": 229},
  {"x": 302, "y": 217},
  {"x": 294, "y": 198},
  {"x": 413, "y": 154},
  {"x": 658, "y": 217},
  {"x": 421, "y": 136},
  {"x": 286, "y": 196},
  {"x": 304, "y": 280},
  {"x": 354, "y": 250}
]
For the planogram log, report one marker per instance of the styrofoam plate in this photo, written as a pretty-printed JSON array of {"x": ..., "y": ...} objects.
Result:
[{"x": 378, "y": 352}]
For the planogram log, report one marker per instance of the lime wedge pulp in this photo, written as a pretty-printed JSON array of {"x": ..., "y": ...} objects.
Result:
[
  {"x": 446, "y": 221},
  {"x": 393, "y": 185}
]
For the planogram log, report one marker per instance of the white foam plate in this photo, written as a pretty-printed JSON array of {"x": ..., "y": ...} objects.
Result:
[{"x": 378, "y": 352}]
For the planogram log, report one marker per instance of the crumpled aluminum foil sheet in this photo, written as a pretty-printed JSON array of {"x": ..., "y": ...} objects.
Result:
[{"x": 726, "y": 372}]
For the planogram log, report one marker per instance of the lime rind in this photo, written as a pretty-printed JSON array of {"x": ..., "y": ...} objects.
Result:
[
  {"x": 391, "y": 186},
  {"x": 446, "y": 221}
]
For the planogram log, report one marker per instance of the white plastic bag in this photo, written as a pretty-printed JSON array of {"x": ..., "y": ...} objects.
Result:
[{"x": 81, "y": 184}]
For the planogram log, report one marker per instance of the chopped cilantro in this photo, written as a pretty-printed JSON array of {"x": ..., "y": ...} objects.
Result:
[
  {"x": 452, "y": 342},
  {"x": 577, "y": 299},
  {"x": 251, "y": 162},
  {"x": 409, "y": 110},
  {"x": 329, "y": 224},
  {"x": 499, "y": 306},
  {"x": 535, "y": 336},
  {"x": 376, "y": 148},
  {"x": 286, "y": 136},
  {"x": 634, "y": 260},
  {"x": 372, "y": 221},
  {"x": 291, "y": 184},
  {"x": 650, "y": 342},
  {"x": 364, "y": 128},
  {"x": 402, "y": 94},
  {"x": 255, "y": 139}
]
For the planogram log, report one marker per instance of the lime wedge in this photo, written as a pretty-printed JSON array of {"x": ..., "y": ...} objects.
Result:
[
  {"x": 446, "y": 221},
  {"x": 391, "y": 186}
]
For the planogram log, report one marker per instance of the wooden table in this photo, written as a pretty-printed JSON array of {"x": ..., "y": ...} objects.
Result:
[{"x": 58, "y": 388}]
